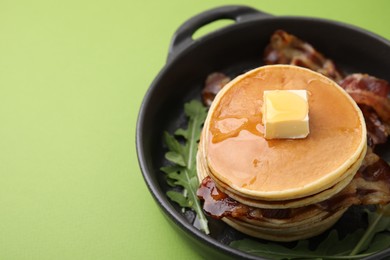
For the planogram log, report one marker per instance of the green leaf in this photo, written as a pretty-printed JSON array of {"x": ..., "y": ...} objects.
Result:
[
  {"x": 357, "y": 245},
  {"x": 175, "y": 158},
  {"x": 171, "y": 168},
  {"x": 171, "y": 182},
  {"x": 377, "y": 222},
  {"x": 333, "y": 245},
  {"x": 379, "y": 218},
  {"x": 197, "y": 114},
  {"x": 331, "y": 248},
  {"x": 172, "y": 171},
  {"x": 181, "y": 132},
  {"x": 179, "y": 198},
  {"x": 276, "y": 251},
  {"x": 269, "y": 250},
  {"x": 183, "y": 157},
  {"x": 327, "y": 244},
  {"x": 380, "y": 242},
  {"x": 194, "y": 182},
  {"x": 195, "y": 109}
]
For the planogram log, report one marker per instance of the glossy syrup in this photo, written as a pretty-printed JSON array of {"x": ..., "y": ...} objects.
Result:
[{"x": 238, "y": 151}]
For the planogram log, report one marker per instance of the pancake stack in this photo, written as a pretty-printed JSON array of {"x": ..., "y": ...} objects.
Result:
[{"x": 291, "y": 178}]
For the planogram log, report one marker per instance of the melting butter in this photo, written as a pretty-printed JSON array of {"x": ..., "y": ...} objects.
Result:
[{"x": 285, "y": 114}]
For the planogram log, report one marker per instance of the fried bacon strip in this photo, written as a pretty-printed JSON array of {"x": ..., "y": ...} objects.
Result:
[
  {"x": 365, "y": 82},
  {"x": 214, "y": 83},
  {"x": 371, "y": 94},
  {"x": 286, "y": 48},
  {"x": 371, "y": 185},
  {"x": 377, "y": 132},
  {"x": 370, "y": 91},
  {"x": 373, "y": 177}
]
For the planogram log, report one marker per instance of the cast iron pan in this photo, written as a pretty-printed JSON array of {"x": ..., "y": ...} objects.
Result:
[{"x": 234, "y": 50}]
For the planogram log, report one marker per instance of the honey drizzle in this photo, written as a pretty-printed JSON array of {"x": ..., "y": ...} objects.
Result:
[{"x": 253, "y": 125}]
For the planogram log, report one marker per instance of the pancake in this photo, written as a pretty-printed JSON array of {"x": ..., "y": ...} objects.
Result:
[
  {"x": 203, "y": 172},
  {"x": 238, "y": 156},
  {"x": 287, "y": 234},
  {"x": 293, "y": 203},
  {"x": 280, "y": 189}
]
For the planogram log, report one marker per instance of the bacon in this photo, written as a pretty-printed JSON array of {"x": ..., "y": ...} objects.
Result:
[
  {"x": 371, "y": 94},
  {"x": 370, "y": 186},
  {"x": 366, "y": 82},
  {"x": 380, "y": 104},
  {"x": 377, "y": 132},
  {"x": 214, "y": 83},
  {"x": 286, "y": 48},
  {"x": 218, "y": 204},
  {"x": 373, "y": 177},
  {"x": 370, "y": 91}
]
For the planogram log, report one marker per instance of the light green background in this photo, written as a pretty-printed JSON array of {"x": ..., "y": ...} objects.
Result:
[{"x": 72, "y": 77}]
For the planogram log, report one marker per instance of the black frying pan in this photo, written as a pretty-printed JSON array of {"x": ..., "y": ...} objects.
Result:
[{"x": 234, "y": 50}]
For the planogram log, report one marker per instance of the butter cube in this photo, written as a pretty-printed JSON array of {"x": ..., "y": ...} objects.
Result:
[{"x": 285, "y": 114}]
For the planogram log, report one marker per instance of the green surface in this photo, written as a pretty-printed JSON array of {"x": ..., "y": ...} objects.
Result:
[{"x": 72, "y": 77}]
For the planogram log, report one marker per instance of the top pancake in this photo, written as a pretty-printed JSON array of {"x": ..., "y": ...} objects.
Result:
[{"x": 239, "y": 155}]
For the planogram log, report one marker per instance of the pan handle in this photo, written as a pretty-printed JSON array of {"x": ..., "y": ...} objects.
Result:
[{"x": 182, "y": 38}]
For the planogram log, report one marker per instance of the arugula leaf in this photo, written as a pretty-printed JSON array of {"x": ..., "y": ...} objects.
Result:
[
  {"x": 380, "y": 242},
  {"x": 272, "y": 250},
  {"x": 359, "y": 244},
  {"x": 333, "y": 245},
  {"x": 331, "y": 248},
  {"x": 183, "y": 156},
  {"x": 377, "y": 222}
]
